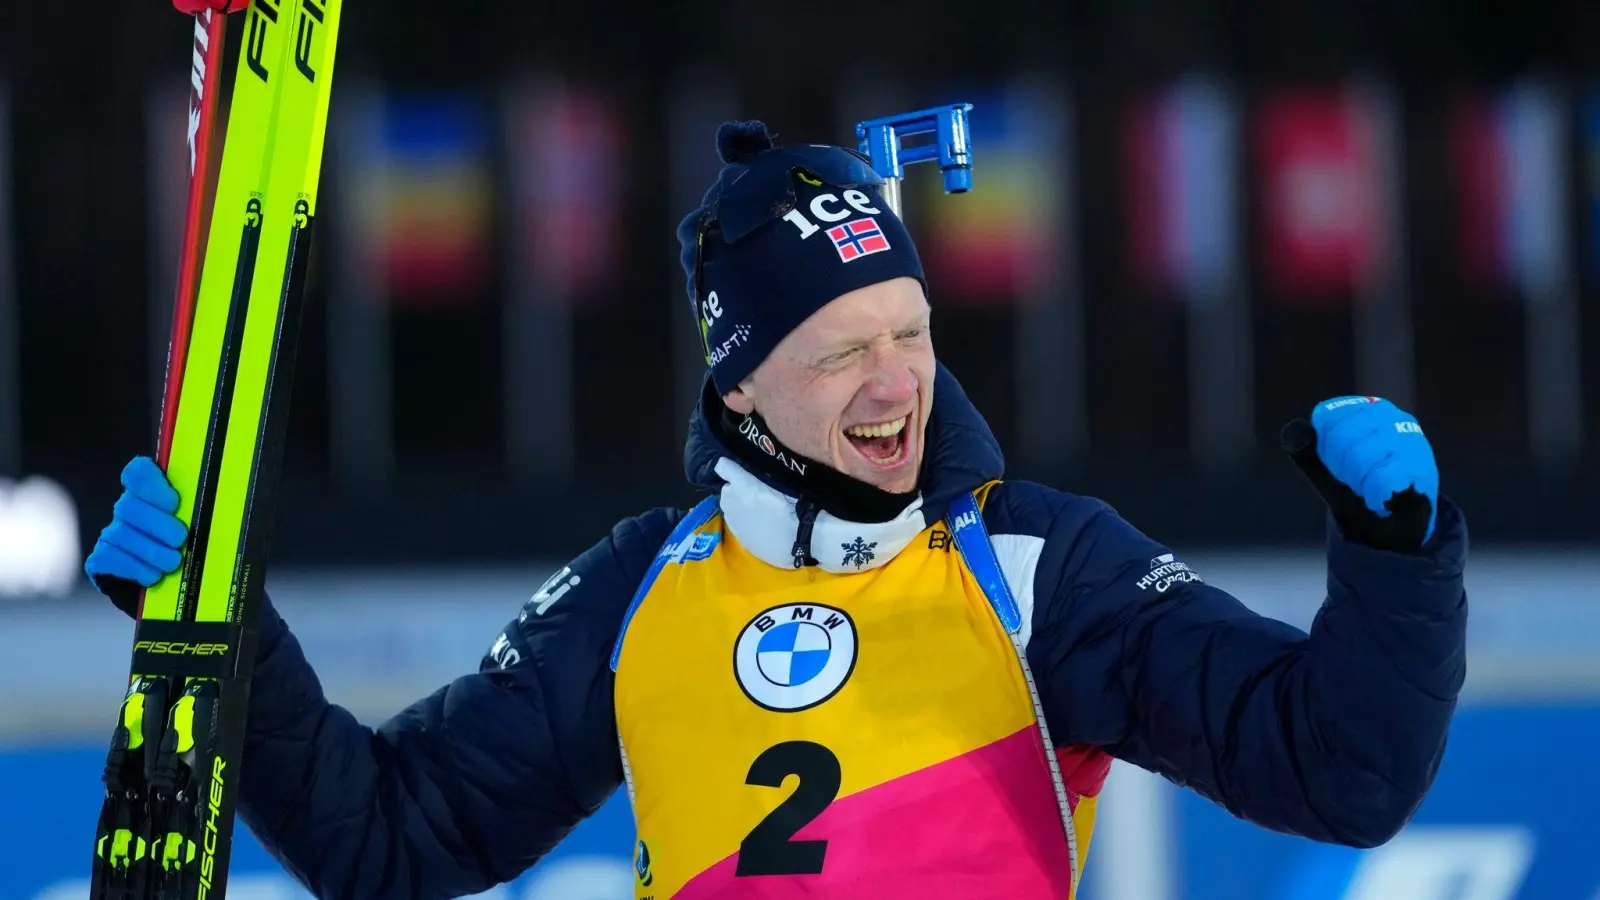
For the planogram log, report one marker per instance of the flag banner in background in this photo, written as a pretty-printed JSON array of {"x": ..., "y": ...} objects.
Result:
[
  {"x": 1590, "y": 131},
  {"x": 10, "y": 313},
  {"x": 428, "y": 215},
  {"x": 1319, "y": 194},
  {"x": 568, "y": 143},
  {"x": 986, "y": 247},
  {"x": 698, "y": 98},
  {"x": 1180, "y": 158},
  {"x": 1508, "y": 161},
  {"x": 167, "y": 163}
]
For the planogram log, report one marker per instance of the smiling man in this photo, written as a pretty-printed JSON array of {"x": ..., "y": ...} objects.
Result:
[
  {"x": 865, "y": 666},
  {"x": 827, "y": 390}
]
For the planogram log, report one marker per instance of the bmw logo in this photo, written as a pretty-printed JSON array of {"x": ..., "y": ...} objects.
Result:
[{"x": 795, "y": 656}]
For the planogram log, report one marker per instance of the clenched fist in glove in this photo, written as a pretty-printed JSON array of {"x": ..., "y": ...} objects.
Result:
[
  {"x": 1372, "y": 464},
  {"x": 195, "y": 7},
  {"x": 144, "y": 540}
]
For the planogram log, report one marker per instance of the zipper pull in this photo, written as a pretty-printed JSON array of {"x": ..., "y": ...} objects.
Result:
[{"x": 807, "y": 513}]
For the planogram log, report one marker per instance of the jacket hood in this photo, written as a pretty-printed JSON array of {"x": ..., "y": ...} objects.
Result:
[{"x": 960, "y": 455}]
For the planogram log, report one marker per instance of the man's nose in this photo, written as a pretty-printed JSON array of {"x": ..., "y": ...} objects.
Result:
[{"x": 892, "y": 379}]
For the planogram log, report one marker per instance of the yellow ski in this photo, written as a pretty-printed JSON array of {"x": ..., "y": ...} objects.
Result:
[{"x": 167, "y": 824}]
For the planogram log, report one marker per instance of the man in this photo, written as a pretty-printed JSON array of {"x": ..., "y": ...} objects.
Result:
[{"x": 865, "y": 666}]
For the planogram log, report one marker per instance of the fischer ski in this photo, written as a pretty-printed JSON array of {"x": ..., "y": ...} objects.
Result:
[{"x": 171, "y": 776}]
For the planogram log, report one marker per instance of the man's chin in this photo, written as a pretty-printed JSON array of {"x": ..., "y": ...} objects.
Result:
[{"x": 900, "y": 485}]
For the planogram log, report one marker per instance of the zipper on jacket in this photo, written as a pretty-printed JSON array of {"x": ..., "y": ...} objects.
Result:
[{"x": 807, "y": 513}]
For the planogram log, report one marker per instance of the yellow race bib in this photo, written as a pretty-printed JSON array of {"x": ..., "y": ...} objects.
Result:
[{"x": 797, "y": 733}]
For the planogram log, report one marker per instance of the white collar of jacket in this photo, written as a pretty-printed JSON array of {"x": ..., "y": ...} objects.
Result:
[{"x": 765, "y": 522}]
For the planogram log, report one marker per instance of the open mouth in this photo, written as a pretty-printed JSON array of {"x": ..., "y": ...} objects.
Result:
[{"x": 882, "y": 444}]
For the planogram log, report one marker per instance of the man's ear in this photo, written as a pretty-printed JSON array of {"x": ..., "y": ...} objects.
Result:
[{"x": 739, "y": 399}]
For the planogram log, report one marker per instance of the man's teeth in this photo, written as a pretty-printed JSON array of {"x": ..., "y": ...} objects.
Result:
[{"x": 872, "y": 431}]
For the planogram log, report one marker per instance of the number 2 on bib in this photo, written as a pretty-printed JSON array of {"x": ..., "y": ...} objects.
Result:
[{"x": 768, "y": 848}]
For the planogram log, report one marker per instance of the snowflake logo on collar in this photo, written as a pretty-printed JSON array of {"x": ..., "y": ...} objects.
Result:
[{"x": 858, "y": 553}]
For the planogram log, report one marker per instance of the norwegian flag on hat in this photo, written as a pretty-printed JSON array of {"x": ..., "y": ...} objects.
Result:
[{"x": 859, "y": 238}]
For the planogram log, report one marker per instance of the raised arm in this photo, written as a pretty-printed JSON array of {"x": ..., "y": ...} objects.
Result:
[
  {"x": 466, "y": 788},
  {"x": 1334, "y": 735}
]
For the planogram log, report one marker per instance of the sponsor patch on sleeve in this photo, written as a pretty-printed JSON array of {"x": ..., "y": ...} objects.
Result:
[{"x": 1165, "y": 571}]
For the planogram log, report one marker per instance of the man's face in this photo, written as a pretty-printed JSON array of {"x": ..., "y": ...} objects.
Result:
[{"x": 853, "y": 385}]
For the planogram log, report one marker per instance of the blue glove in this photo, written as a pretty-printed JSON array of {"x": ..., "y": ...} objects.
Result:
[
  {"x": 144, "y": 540},
  {"x": 1372, "y": 464}
]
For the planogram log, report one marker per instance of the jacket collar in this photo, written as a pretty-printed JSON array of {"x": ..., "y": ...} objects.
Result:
[{"x": 769, "y": 524}]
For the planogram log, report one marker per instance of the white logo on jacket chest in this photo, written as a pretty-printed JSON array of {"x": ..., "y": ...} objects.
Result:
[{"x": 795, "y": 656}]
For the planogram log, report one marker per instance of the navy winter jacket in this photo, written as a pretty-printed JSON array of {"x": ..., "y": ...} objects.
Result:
[{"x": 1335, "y": 735}]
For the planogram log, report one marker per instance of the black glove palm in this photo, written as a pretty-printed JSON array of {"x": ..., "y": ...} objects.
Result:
[{"x": 1380, "y": 450}]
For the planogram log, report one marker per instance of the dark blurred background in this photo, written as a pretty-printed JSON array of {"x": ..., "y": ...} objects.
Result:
[
  {"x": 493, "y": 359},
  {"x": 1191, "y": 220}
]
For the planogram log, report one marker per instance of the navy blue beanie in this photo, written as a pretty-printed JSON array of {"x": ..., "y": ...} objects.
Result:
[{"x": 816, "y": 240}]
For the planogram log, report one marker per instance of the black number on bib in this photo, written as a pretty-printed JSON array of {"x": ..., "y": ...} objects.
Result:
[{"x": 767, "y": 849}]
